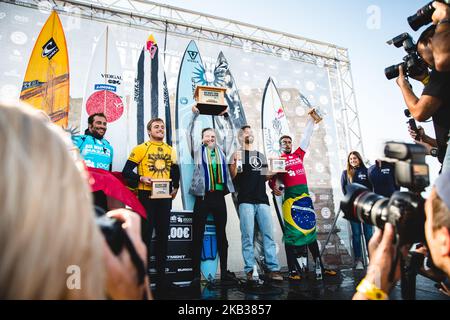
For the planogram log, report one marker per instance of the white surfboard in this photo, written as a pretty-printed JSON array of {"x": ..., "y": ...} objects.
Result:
[{"x": 104, "y": 93}]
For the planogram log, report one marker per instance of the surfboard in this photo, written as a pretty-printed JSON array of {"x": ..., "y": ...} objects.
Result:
[
  {"x": 151, "y": 96},
  {"x": 223, "y": 74},
  {"x": 104, "y": 93},
  {"x": 210, "y": 257},
  {"x": 46, "y": 82},
  {"x": 192, "y": 73}
]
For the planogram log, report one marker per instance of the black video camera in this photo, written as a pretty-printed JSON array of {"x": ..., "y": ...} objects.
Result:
[
  {"x": 412, "y": 64},
  {"x": 404, "y": 210},
  {"x": 423, "y": 15}
]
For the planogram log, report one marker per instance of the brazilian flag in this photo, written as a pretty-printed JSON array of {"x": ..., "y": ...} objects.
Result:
[{"x": 299, "y": 217}]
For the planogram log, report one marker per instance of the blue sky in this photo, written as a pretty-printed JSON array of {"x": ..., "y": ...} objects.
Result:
[{"x": 347, "y": 24}]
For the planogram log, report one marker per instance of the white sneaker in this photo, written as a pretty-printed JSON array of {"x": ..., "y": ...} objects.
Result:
[{"x": 359, "y": 266}]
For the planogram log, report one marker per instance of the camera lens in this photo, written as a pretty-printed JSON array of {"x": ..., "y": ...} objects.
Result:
[
  {"x": 392, "y": 71},
  {"x": 369, "y": 208},
  {"x": 422, "y": 17}
]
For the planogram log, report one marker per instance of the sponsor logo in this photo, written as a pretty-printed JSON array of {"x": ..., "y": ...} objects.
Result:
[
  {"x": 176, "y": 257},
  {"x": 2, "y": 15},
  {"x": 114, "y": 82},
  {"x": 31, "y": 84},
  {"x": 184, "y": 100},
  {"x": 21, "y": 18},
  {"x": 184, "y": 270},
  {"x": 49, "y": 49},
  {"x": 193, "y": 54},
  {"x": 255, "y": 162},
  {"x": 111, "y": 76},
  {"x": 105, "y": 87},
  {"x": 18, "y": 37}
]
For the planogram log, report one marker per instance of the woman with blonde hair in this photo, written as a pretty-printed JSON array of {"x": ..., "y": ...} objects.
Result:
[
  {"x": 357, "y": 173},
  {"x": 50, "y": 245}
]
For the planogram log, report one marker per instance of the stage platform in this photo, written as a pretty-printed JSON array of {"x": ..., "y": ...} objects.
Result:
[{"x": 339, "y": 287}]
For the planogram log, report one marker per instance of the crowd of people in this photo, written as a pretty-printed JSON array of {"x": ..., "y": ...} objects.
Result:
[{"x": 56, "y": 232}]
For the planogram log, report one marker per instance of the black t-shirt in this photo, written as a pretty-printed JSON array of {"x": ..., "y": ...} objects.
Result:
[
  {"x": 439, "y": 87},
  {"x": 251, "y": 182}
]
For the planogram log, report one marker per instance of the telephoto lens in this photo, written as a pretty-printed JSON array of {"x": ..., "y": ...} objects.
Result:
[
  {"x": 404, "y": 210},
  {"x": 423, "y": 15}
]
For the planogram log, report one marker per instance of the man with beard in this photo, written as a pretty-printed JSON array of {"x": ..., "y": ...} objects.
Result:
[
  {"x": 96, "y": 150},
  {"x": 253, "y": 202},
  {"x": 300, "y": 231}
]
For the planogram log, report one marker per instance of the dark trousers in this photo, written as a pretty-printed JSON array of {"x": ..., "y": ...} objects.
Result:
[
  {"x": 214, "y": 203},
  {"x": 158, "y": 217},
  {"x": 292, "y": 252}
]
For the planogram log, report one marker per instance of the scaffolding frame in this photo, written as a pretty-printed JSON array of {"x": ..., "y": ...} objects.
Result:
[{"x": 149, "y": 15}]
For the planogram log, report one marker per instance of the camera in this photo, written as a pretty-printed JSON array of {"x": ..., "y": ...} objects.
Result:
[
  {"x": 404, "y": 210},
  {"x": 412, "y": 124},
  {"x": 117, "y": 239},
  {"x": 423, "y": 15},
  {"x": 412, "y": 64}
]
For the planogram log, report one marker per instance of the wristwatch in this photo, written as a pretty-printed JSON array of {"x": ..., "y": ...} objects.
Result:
[
  {"x": 446, "y": 20},
  {"x": 434, "y": 152}
]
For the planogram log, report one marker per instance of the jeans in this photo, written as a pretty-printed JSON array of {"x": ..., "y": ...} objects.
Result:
[
  {"x": 356, "y": 237},
  {"x": 247, "y": 214},
  {"x": 446, "y": 163}
]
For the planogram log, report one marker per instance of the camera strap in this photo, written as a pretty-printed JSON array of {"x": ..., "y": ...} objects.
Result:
[{"x": 136, "y": 259}]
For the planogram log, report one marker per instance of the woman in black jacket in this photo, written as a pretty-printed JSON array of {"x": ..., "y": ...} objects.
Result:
[{"x": 357, "y": 173}]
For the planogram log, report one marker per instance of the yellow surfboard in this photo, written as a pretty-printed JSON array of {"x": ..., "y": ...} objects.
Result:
[{"x": 46, "y": 83}]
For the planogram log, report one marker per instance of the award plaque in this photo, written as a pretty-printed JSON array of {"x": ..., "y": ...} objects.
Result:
[
  {"x": 160, "y": 189},
  {"x": 210, "y": 100},
  {"x": 278, "y": 165},
  {"x": 315, "y": 114}
]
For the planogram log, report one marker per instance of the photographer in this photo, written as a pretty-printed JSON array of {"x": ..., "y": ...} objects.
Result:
[
  {"x": 377, "y": 284},
  {"x": 441, "y": 39},
  {"x": 51, "y": 247},
  {"x": 435, "y": 99}
]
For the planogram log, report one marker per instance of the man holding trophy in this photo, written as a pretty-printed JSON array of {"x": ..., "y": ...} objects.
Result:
[{"x": 299, "y": 217}]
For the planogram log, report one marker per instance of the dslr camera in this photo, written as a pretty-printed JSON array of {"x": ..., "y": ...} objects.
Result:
[
  {"x": 412, "y": 64},
  {"x": 423, "y": 15},
  {"x": 404, "y": 210}
]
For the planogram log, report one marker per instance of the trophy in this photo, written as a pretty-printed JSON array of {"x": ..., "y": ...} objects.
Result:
[
  {"x": 277, "y": 165},
  {"x": 210, "y": 100},
  {"x": 316, "y": 115},
  {"x": 160, "y": 189}
]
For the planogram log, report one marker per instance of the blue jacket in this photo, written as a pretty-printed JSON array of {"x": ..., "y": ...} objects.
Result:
[
  {"x": 96, "y": 153},
  {"x": 361, "y": 176},
  {"x": 383, "y": 178}
]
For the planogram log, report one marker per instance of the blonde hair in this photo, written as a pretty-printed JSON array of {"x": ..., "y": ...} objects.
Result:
[{"x": 46, "y": 214}]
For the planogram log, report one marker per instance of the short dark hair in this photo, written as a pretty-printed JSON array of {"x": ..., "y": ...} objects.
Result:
[
  {"x": 441, "y": 214},
  {"x": 149, "y": 124},
  {"x": 427, "y": 34},
  {"x": 92, "y": 116},
  {"x": 241, "y": 130},
  {"x": 206, "y": 129},
  {"x": 284, "y": 137}
]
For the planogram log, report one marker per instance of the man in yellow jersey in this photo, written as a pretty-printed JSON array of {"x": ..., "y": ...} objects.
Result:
[{"x": 154, "y": 159}]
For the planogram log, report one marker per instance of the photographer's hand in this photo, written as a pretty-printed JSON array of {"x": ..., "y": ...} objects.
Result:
[
  {"x": 121, "y": 273},
  {"x": 401, "y": 80},
  {"x": 442, "y": 12},
  {"x": 382, "y": 253}
]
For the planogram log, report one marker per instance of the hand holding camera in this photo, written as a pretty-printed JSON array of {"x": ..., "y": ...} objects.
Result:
[
  {"x": 125, "y": 255},
  {"x": 441, "y": 12}
]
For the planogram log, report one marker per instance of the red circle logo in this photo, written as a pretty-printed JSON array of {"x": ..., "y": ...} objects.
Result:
[{"x": 107, "y": 102}]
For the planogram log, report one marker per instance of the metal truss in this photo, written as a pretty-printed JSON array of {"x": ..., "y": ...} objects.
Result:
[{"x": 154, "y": 16}]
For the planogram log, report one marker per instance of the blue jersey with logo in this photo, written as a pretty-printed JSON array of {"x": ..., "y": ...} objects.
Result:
[{"x": 96, "y": 153}]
